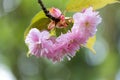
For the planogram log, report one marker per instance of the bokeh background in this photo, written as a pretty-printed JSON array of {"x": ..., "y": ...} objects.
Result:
[{"x": 15, "y": 16}]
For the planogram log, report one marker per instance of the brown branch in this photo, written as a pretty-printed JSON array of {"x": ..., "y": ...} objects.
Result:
[{"x": 47, "y": 12}]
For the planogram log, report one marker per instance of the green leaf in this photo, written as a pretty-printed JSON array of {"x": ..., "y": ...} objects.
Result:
[
  {"x": 53, "y": 32},
  {"x": 39, "y": 21},
  {"x": 78, "y": 5},
  {"x": 90, "y": 44}
]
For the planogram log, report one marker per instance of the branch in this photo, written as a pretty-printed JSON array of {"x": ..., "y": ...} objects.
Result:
[{"x": 47, "y": 12}]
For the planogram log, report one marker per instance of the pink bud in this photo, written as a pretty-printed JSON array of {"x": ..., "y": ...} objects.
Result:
[{"x": 55, "y": 12}]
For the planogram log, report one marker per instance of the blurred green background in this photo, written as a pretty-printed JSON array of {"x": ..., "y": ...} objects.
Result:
[{"x": 15, "y": 16}]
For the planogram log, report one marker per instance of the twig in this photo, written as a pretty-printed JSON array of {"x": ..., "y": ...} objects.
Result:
[{"x": 47, "y": 12}]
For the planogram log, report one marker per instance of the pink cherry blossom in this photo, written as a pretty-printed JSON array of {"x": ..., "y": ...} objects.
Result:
[
  {"x": 41, "y": 44},
  {"x": 67, "y": 45},
  {"x": 35, "y": 40},
  {"x": 86, "y": 22}
]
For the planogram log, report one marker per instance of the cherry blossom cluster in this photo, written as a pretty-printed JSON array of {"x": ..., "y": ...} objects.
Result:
[{"x": 42, "y": 44}]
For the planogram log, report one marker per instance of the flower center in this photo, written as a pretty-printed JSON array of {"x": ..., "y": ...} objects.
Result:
[{"x": 87, "y": 24}]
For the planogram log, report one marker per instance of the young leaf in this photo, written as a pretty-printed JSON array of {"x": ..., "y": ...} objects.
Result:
[
  {"x": 78, "y": 5},
  {"x": 39, "y": 21},
  {"x": 90, "y": 44}
]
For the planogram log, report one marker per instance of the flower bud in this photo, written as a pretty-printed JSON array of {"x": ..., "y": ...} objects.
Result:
[{"x": 55, "y": 12}]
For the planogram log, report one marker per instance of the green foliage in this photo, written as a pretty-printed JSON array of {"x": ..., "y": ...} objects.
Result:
[
  {"x": 13, "y": 49},
  {"x": 39, "y": 21},
  {"x": 78, "y": 5}
]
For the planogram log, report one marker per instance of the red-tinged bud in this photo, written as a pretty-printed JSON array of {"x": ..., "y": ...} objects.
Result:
[
  {"x": 51, "y": 25},
  {"x": 55, "y": 12},
  {"x": 62, "y": 23}
]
